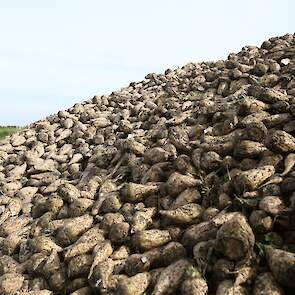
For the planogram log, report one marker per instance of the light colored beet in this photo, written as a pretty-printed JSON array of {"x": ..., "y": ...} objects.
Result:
[
  {"x": 194, "y": 284},
  {"x": 11, "y": 283},
  {"x": 205, "y": 231},
  {"x": 272, "y": 205},
  {"x": 142, "y": 219},
  {"x": 265, "y": 284},
  {"x": 135, "y": 285},
  {"x": 190, "y": 195},
  {"x": 38, "y": 292},
  {"x": 85, "y": 243},
  {"x": 101, "y": 275},
  {"x": 119, "y": 232},
  {"x": 134, "y": 192},
  {"x": 198, "y": 233},
  {"x": 245, "y": 274},
  {"x": 79, "y": 265},
  {"x": 156, "y": 155},
  {"x": 9, "y": 265},
  {"x": 149, "y": 239},
  {"x": 252, "y": 179},
  {"x": 44, "y": 244},
  {"x": 121, "y": 253},
  {"x": 289, "y": 164},
  {"x": 235, "y": 238},
  {"x": 210, "y": 161},
  {"x": 170, "y": 278},
  {"x": 73, "y": 228},
  {"x": 177, "y": 183},
  {"x": 161, "y": 256},
  {"x": 101, "y": 252},
  {"x": 83, "y": 291},
  {"x": 249, "y": 149},
  {"x": 281, "y": 264},
  {"x": 283, "y": 141},
  {"x": 184, "y": 214}
]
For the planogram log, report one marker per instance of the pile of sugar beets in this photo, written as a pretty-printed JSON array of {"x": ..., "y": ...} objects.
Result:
[{"x": 183, "y": 183}]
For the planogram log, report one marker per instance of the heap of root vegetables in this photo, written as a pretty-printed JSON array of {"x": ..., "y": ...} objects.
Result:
[{"x": 183, "y": 183}]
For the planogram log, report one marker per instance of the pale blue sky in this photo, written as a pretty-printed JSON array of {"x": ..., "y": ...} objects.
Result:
[{"x": 59, "y": 52}]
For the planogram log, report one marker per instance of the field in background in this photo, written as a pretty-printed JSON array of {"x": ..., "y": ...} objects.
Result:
[{"x": 6, "y": 130}]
